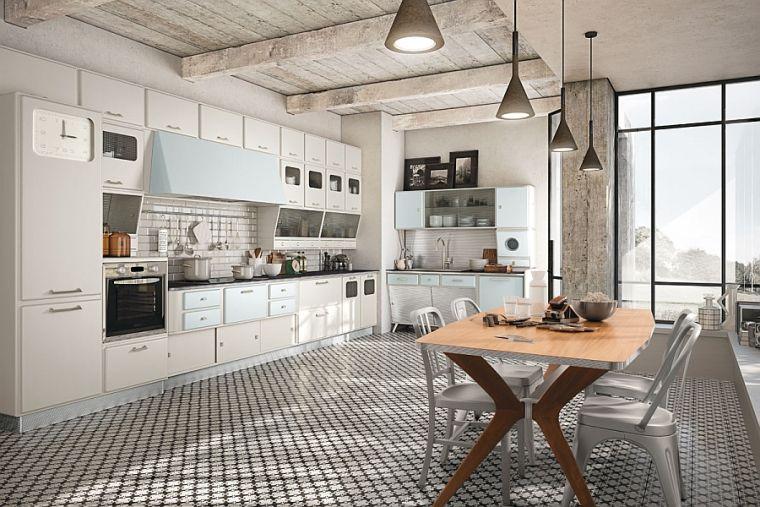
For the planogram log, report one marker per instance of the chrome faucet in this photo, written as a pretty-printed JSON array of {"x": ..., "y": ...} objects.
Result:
[{"x": 445, "y": 259}]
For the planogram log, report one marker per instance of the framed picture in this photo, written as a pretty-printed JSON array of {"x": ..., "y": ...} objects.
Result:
[
  {"x": 414, "y": 172},
  {"x": 439, "y": 176},
  {"x": 465, "y": 165}
]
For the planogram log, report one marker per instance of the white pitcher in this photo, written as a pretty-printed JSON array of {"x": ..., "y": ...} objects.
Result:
[{"x": 710, "y": 315}]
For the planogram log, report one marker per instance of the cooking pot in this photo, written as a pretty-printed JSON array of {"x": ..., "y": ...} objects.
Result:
[
  {"x": 242, "y": 272},
  {"x": 197, "y": 269}
]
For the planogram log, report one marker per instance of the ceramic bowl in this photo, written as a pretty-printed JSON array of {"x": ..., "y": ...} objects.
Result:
[
  {"x": 272, "y": 270},
  {"x": 478, "y": 264},
  {"x": 594, "y": 311}
]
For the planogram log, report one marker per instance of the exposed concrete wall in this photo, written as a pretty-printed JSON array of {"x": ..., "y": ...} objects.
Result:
[
  {"x": 78, "y": 44},
  {"x": 588, "y": 198}
]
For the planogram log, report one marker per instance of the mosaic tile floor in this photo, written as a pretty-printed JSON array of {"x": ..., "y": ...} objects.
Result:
[{"x": 343, "y": 425}]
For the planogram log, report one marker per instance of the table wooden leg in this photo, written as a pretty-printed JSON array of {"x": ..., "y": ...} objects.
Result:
[
  {"x": 546, "y": 413},
  {"x": 509, "y": 410}
]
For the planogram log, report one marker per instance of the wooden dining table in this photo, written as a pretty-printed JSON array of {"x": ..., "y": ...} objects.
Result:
[{"x": 575, "y": 361}]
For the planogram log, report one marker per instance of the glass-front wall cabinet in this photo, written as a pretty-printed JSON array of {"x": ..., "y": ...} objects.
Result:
[
  {"x": 466, "y": 207},
  {"x": 315, "y": 196},
  {"x": 298, "y": 223},
  {"x": 292, "y": 178},
  {"x": 340, "y": 225}
]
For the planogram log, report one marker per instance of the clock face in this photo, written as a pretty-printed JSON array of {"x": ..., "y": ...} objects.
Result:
[{"x": 62, "y": 135}]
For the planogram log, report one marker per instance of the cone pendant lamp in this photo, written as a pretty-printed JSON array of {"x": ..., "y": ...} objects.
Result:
[
  {"x": 591, "y": 160},
  {"x": 414, "y": 29},
  {"x": 563, "y": 139},
  {"x": 515, "y": 105}
]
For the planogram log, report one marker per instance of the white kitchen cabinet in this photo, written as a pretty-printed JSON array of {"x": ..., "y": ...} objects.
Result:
[
  {"x": 61, "y": 204},
  {"x": 61, "y": 349},
  {"x": 336, "y": 190},
  {"x": 135, "y": 364},
  {"x": 336, "y": 155},
  {"x": 238, "y": 341},
  {"x": 195, "y": 300},
  {"x": 122, "y": 162},
  {"x": 221, "y": 126},
  {"x": 278, "y": 333},
  {"x": 492, "y": 289},
  {"x": 320, "y": 292},
  {"x": 404, "y": 299},
  {"x": 116, "y": 99},
  {"x": 354, "y": 193},
  {"x": 261, "y": 136},
  {"x": 353, "y": 159},
  {"x": 515, "y": 207},
  {"x": 368, "y": 300},
  {"x": 191, "y": 351},
  {"x": 315, "y": 149},
  {"x": 318, "y": 323},
  {"x": 282, "y": 307},
  {"x": 248, "y": 302},
  {"x": 36, "y": 76},
  {"x": 292, "y": 174},
  {"x": 410, "y": 210},
  {"x": 201, "y": 319},
  {"x": 315, "y": 196},
  {"x": 292, "y": 144},
  {"x": 351, "y": 309},
  {"x": 170, "y": 113},
  {"x": 283, "y": 290}
]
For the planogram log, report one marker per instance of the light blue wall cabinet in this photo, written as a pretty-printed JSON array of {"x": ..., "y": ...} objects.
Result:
[
  {"x": 514, "y": 207},
  {"x": 185, "y": 166},
  {"x": 410, "y": 210},
  {"x": 492, "y": 290}
]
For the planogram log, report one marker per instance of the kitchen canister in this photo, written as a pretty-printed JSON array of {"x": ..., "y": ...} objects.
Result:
[{"x": 710, "y": 315}]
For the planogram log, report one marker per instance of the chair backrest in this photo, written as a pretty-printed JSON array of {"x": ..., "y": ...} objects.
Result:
[
  {"x": 426, "y": 320},
  {"x": 463, "y": 308},
  {"x": 685, "y": 317},
  {"x": 681, "y": 353}
]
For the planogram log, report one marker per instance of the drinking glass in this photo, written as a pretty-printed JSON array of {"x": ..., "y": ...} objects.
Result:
[{"x": 510, "y": 306}]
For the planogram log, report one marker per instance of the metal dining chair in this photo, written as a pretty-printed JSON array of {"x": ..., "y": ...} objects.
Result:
[
  {"x": 522, "y": 379},
  {"x": 645, "y": 423},
  {"x": 456, "y": 398},
  {"x": 625, "y": 385}
]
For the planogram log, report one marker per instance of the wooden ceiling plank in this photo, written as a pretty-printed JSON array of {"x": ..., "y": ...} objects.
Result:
[
  {"x": 25, "y": 13},
  {"x": 269, "y": 82},
  {"x": 464, "y": 115},
  {"x": 217, "y": 15},
  {"x": 420, "y": 86},
  {"x": 238, "y": 12},
  {"x": 453, "y": 17},
  {"x": 480, "y": 49},
  {"x": 268, "y": 17}
]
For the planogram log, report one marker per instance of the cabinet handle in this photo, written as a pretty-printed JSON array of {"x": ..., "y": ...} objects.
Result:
[
  {"x": 315, "y": 159},
  {"x": 139, "y": 349},
  {"x": 204, "y": 318},
  {"x": 114, "y": 182},
  {"x": 173, "y": 127},
  {"x": 221, "y": 138},
  {"x": 263, "y": 147},
  {"x": 221, "y": 344},
  {"x": 72, "y": 291},
  {"x": 283, "y": 290},
  {"x": 111, "y": 113},
  {"x": 255, "y": 337},
  {"x": 249, "y": 291},
  {"x": 336, "y": 164},
  {"x": 291, "y": 201},
  {"x": 321, "y": 283},
  {"x": 315, "y": 204},
  {"x": 62, "y": 310},
  {"x": 320, "y": 315},
  {"x": 203, "y": 299},
  {"x": 282, "y": 307},
  {"x": 293, "y": 154}
]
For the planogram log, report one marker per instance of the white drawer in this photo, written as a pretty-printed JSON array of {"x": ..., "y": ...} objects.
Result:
[
  {"x": 201, "y": 318},
  {"x": 282, "y": 290},
  {"x": 430, "y": 280},
  {"x": 201, "y": 299},
  {"x": 458, "y": 281},
  {"x": 135, "y": 364},
  {"x": 320, "y": 292},
  {"x": 248, "y": 302},
  {"x": 191, "y": 351},
  {"x": 282, "y": 307},
  {"x": 399, "y": 279}
]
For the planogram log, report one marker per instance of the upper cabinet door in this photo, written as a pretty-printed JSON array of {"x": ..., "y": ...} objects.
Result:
[
  {"x": 315, "y": 194},
  {"x": 315, "y": 149},
  {"x": 293, "y": 182},
  {"x": 353, "y": 159},
  {"x": 354, "y": 193},
  {"x": 515, "y": 207},
  {"x": 292, "y": 144},
  {"x": 336, "y": 190},
  {"x": 410, "y": 213},
  {"x": 170, "y": 113},
  {"x": 261, "y": 136},
  {"x": 37, "y": 76},
  {"x": 336, "y": 155},
  {"x": 117, "y": 100},
  {"x": 221, "y": 126}
]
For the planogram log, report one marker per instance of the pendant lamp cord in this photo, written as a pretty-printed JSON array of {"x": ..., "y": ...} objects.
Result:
[
  {"x": 563, "y": 44},
  {"x": 591, "y": 91}
]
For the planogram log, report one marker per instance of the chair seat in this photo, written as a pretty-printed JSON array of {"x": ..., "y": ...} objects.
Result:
[
  {"x": 519, "y": 375},
  {"x": 465, "y": 396},
  {"x": 623, "y": 415},
  {"x": 621, "y": 384}
]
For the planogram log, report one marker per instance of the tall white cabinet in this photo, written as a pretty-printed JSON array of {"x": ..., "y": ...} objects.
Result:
[{"x": 50, "y": 309}]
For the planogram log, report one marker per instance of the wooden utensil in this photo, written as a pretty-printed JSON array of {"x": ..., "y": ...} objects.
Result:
[{"x": 490, "y": 254}]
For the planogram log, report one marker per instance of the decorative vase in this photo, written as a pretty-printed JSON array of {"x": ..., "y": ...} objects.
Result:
[{"x": 710, "y": 315}]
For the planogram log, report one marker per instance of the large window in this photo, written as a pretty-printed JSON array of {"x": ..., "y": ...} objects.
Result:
[
  {"x": 688, "y": 192},
  {"x": 555, "y": 213}
]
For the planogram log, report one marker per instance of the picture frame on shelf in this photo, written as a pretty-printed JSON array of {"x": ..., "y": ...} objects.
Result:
[
  {"x": 465, "y": 167},
  {"x": 414, "y": 172},
  {"x": 438, "y": 176}
]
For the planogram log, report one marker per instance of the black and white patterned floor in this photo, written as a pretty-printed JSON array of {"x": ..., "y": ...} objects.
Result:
[{"x": 343, "y": 425}]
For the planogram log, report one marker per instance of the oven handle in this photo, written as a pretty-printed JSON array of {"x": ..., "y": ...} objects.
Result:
[{"x": 137, "y": 281}]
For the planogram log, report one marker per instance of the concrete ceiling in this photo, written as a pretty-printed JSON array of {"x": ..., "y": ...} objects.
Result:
[{"x": 646, "y": 43}]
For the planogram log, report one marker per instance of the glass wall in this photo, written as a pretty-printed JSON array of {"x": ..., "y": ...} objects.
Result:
[{"x": 688, "y": 165}]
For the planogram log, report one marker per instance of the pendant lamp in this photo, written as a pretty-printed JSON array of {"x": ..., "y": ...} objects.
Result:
[
  {"x": 563, "y": 139},
  {"x": 515, "y": 105},
  {"x": 591, "y": 160},
  {"x": 414, "y": 29}
]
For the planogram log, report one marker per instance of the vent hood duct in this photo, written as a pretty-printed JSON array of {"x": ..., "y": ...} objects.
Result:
[
  {"x": 183, "y": 166},
  {"x": 122, "y": 211}
]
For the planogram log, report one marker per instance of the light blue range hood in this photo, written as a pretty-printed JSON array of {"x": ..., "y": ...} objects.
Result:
[{"x": 183, "y": 166}]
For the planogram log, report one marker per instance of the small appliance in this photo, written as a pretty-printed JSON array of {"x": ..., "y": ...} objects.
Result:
[
  {"x": 134, "y": 299},
  {"x": 515, "y": 247}
]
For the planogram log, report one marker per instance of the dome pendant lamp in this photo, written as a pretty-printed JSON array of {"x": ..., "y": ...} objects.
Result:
[
  {"x": 563, "y": 139},
  {"x": 414, "y": 29},
  {"x": 515, "y": 105},
  {"x": 591, "y": 161}
]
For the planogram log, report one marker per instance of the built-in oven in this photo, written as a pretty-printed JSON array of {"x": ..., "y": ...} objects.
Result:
[{"x": 135, "y": 299}]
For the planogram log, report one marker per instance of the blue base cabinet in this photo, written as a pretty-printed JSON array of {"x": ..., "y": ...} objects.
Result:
[{"x": 492, "y": 289}]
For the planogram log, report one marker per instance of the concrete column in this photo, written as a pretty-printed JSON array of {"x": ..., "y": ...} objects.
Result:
[
  {"x": 588, "y": 204},
  {"x": 377, "y": 244}
]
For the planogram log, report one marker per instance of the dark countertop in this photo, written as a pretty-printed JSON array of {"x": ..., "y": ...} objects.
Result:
[
  {"x": 519, "y": 271},
  {"x": 217, "y": 282}
]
